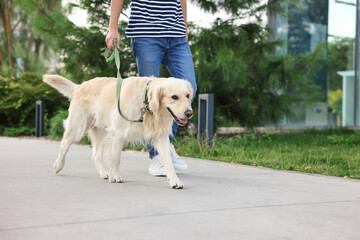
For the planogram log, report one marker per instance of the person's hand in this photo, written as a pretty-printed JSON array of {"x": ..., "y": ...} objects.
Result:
[{"x": 110, "y": 38}]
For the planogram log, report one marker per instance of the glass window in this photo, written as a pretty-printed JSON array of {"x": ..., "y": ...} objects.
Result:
[{"x": 327, "y": 26}]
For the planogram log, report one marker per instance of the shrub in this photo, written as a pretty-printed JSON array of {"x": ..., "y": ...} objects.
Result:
[
  {"x": 18, "y": 97},
  {"x": 56, "y": 124},
  {"x": 15, "y": 132}
]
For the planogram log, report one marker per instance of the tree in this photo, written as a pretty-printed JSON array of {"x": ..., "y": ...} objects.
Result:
[
  {"x": 242, "y": 9},
  {"x": 341, "y": 58},
  {"x": 7, "y": 13},
  {"x": 18, "y": 40},
  {"x": 252, "y": 85},
  {"x": 81, "y": 48}
]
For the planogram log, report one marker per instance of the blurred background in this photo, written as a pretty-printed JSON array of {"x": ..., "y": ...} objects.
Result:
[{"x": 289, "y": 63}]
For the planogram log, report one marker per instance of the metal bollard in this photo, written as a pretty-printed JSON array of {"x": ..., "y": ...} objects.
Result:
[
  {"x": 206, "y": 117},
  {"x": 39, "y": 118}
]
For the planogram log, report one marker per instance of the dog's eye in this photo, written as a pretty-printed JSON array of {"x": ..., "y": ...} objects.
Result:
[
  {"x": 175, "y": 97},
  {"x": 187, "y": 95}
]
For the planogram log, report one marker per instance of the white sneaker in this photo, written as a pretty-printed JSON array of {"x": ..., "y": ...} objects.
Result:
[
  {"x": 178, "y": 163},
  {"x": 156, "y": 168}
]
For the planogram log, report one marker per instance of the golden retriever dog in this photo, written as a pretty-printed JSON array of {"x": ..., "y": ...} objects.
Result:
[{"x": 93, "y": 110}]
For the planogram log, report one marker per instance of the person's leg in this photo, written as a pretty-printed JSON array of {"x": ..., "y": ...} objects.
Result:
[
  {"x": 148, "y": 53},
  {"x": 178, "y": 60},
  {"x": 176, "y": 55}
]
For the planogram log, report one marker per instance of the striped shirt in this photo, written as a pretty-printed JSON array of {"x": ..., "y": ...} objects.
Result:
[{"x": 155, "y": 18}]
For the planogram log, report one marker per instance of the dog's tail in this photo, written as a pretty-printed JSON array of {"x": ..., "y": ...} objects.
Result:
[{"x": 63, "y": 85}]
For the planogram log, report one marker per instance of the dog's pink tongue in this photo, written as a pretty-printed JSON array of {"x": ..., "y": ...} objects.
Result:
[{"x": 182, "y": 121}]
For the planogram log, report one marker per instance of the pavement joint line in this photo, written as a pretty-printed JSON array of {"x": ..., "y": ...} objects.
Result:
[{"x": 175, "y": 213}]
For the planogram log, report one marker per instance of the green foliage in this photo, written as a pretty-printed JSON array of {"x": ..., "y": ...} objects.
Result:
[
  {"x": 18, "y": 41},
  {"x": 97, "y": 11},
  {"x": 335, "y": 100},
  {"x": 15, "y": 132},
  {"x": 353, "y": 139},
  {"x": 56, "y": 130},
  {"x": 81, "y": 48},
  {"x": 252, "y": 85},
  {"x": 340, "y": 58},
  {"x": 18, "y": 97},
  {"x": 56, "y": 124},
  {"x": 242, "y": 9}
]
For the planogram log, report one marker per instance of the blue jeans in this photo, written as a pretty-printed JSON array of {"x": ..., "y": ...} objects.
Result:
[{"x": 174, "y": 53}]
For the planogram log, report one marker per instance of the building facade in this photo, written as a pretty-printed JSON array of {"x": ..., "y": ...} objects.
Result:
[{"x": 331, "y": 25}]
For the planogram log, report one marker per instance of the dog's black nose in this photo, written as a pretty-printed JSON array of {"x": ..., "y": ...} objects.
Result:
[{"x": 188, "y": 113}]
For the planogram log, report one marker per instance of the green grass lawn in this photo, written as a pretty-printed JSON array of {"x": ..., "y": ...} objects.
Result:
[{"x": 333, "y": 152}]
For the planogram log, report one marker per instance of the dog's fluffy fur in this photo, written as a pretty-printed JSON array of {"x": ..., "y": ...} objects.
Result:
[{"x": 93, "y": 110}]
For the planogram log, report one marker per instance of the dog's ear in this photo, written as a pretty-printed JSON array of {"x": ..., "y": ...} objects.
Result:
[
  {"x": 155, "y": 95},
  {"x": 190, "y": 89}
]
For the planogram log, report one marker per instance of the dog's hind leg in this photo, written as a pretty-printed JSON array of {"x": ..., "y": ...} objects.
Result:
[
  {"x": 75, "y": 127},
  {"x": 162, "y": 145},
  {"x": 117, "y": 143},
  {"x": 67, "y": 140},
  {"x": 97, "y": 137}
]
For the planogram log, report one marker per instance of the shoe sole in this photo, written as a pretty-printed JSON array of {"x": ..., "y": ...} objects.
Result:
[
  {"x": 180, "y": 167},
  {"x": 157, "y": 173}
]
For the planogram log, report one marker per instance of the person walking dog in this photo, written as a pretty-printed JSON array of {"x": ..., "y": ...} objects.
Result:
[{"x": 159, "y": 34}]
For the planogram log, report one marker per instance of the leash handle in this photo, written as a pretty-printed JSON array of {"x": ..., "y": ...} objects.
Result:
[{"x": 115, "y": 55}]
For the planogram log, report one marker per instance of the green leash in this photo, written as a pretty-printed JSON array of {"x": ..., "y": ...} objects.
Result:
[{"x": 115, "y": 55}]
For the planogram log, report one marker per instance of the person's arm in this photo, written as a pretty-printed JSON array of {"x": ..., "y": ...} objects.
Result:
[
  {"x": 115, "y": 10},
  {"x": 184, "y": 11}
]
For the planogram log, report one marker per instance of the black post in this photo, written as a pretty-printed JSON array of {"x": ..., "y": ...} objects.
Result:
[
  {"x": 206, "y": 117},
  {"x": 39, "y": 118}
]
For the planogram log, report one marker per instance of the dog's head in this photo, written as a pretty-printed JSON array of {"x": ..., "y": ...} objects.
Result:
[{"x": 174, "y": 96}]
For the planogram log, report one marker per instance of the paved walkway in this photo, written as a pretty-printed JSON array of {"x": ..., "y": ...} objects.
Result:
[{"x": 219, "y": 201}]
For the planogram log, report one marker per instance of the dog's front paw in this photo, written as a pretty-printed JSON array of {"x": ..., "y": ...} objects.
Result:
[
  {"x": 175, "y": 183},
  {"x": 115, "y": 179},
  {"x": 58, "y": 166},
  {"x": 104, "y": 175}
]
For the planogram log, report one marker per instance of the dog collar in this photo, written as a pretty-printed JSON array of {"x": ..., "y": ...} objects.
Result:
[{"x": 145, "y": 108}]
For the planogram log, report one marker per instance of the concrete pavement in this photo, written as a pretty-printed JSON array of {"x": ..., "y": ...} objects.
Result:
[{"x": 219, "y": 201}]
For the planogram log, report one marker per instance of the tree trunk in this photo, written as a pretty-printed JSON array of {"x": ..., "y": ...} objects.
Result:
[
  {"x": 2, "y": 16},
  {"x": 52, "y": 5},
  {"x": 28, "y": 50},
  {"x": 37, "y": 47},
  {"x": 2, "y": 60},
  {"x": 8, "y": 32}
]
